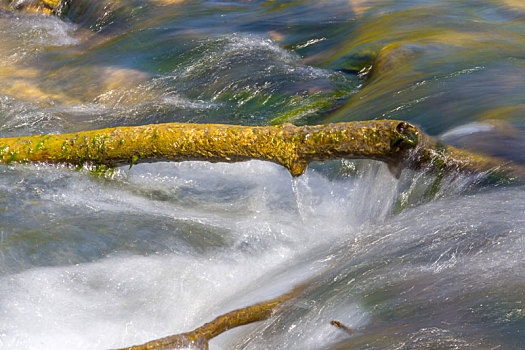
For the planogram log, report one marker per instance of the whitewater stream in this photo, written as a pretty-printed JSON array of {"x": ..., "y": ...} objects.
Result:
[{"x": 102, "y": 261}]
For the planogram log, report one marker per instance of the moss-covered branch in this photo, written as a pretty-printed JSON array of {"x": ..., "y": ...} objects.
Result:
[
  {"x": 288, "y": 145},
  {"x": 397, "y": 143}
]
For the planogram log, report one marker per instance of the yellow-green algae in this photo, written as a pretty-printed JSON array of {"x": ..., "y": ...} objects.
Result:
[
  {"x": 291, "y": 146},
  {"x": 45, "y": 6},
  {"x": 393, "y": 142}
]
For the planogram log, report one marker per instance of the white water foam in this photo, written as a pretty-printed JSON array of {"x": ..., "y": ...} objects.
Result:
[{"x": 124, "y": 298}]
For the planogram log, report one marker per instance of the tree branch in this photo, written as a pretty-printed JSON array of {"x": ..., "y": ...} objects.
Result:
[
  {"x": 199, "y": 337},
  {"x": 397, "y": 143}
]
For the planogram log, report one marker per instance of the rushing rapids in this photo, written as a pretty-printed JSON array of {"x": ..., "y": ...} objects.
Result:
[{"x": 351, "y": 254}]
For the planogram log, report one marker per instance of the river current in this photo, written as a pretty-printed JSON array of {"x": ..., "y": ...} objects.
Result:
[{"x": 93, "y": 261}]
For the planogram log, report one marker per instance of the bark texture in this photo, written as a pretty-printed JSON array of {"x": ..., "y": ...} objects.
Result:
[{"x": 397, "y": 143}]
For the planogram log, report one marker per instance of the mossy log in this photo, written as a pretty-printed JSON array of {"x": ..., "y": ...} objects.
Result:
[
  {"x": 199, "y": 337},
  {"x": 44, "y": 6},
  {"x": 397, "y": 143}
]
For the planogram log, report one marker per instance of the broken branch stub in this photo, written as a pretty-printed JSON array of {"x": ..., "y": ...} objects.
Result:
[
  {"x": 437, "y": 155},
  {"x": 397, "y": 143}
]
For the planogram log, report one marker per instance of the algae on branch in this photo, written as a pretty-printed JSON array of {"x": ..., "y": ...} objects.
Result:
[{"x": 397, "y": 143}]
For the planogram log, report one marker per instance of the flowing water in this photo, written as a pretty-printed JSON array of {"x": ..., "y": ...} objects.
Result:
[{"x": 98, "y": 262}]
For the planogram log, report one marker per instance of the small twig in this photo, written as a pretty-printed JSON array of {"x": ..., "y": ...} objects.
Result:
[{"x": 342, "y": 327}]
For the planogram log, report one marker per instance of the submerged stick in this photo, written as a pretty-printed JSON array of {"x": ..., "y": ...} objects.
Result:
[
  {"x": 199, "y": 337},
  {"x": 397, "y": 143},
  {"x": 342, "y": 327}
]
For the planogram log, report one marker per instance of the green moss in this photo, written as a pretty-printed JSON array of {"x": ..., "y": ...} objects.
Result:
[
  {"x": 291, "y": 146},
  {"x": 12, "y": 157},
  {"x": 101, "y": 170},
  {"x": 311, "y": 105},
  {"x": 134, "y": 160}
]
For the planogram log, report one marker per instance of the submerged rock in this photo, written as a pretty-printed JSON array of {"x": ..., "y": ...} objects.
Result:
[{"x": 493, "y": 137}]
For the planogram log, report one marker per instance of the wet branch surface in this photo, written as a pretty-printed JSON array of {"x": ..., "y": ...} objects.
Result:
[{"x": 397, "y": 143}]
